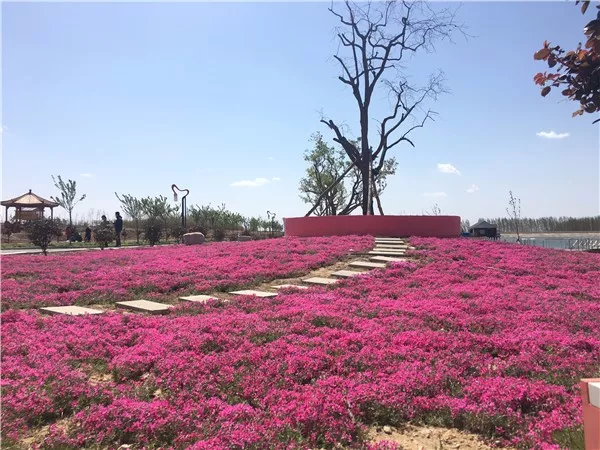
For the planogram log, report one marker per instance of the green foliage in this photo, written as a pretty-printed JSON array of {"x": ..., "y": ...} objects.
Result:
[
  {"x": 68, "y": 195},
  {"x": 105, "y": 233},
  {"x": 152, "y": 231},
  {"x": 9, "y": 228},
  {"x": 571, "y": 438},
  {"x": 132, "y": 207},
  {"x": 40, "y": 232},
  {"x": 219, "y": 234},
  {"x": 326, "y": 165},
  {"x": 157, "y": 207}
]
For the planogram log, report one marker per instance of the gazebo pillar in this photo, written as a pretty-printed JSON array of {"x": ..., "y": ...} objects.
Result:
[
  {"x": 6, "y": 214},
  {"x": 51, "y": 213}
]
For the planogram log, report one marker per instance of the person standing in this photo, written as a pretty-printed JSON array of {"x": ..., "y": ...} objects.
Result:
[{"x": 118, "y": 227}]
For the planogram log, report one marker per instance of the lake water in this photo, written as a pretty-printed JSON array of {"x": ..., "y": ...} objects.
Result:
[{"x": 573, "y": 242}]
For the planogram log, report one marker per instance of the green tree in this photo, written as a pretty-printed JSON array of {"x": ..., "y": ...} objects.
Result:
[
  {"x": 158, "y": 208},
  {"x": 325, "y": 165},
  {"x": 132, "y": 207},
  {"x": 320, "y": 186},
  {"x": 68, "y": 195},
  {"x": 40, "y": 232}
]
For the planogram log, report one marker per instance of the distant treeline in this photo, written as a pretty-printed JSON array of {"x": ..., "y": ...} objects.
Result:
[{"x": 547, "y": 224}]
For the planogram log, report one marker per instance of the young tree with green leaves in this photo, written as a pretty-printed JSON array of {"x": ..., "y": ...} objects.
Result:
[
  {"x": 40, "y": 232},
  {"x": 68, "y": 196},
  {"x": 320, "y": 186},
  {"x": 158, "y": 208},
  {"x": 132, "y": 207}
]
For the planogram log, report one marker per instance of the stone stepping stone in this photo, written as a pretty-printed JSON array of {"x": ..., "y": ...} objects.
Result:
[
  {"x": 70, "y": 310},
  {"x": 255, "y": 293},
  {"x": 388, "y": 259},
  {"x": 319, "y": 280},
  {"x": 390, "y": 249},
  {"x": 367, "y": 265},
  {"x": 391, "y": 240},
  {"x": 386, "y": 253},
  {"x": 347, "y": 273},
  {"x": 198, "y": 298},
  {"x": 290, "y": 286},
  {"x": 145, "y": 306},
  {"x": 391, "y": 245}
]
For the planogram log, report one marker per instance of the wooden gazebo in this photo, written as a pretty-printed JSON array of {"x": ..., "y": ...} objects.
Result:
[{"x": 29, "y": 206}]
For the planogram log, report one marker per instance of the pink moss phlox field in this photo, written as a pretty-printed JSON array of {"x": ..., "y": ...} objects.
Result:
[
  {"x": 106, "y": 276},
  {"x": 485, "y": 336}
]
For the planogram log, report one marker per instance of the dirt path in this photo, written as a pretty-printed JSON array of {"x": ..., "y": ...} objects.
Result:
[{"x": 412, "y": 437}]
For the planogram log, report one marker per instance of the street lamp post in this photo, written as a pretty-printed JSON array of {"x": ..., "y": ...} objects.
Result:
[{"x": 183, "y": 204}]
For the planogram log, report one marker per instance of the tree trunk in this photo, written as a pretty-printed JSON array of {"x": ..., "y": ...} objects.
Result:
[
  {"x": 376, "y": 195},
  {"x": 365, "y": 168}
]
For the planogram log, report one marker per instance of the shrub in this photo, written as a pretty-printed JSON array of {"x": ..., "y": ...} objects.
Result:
[
  {"x": 10, "y": 228},
  {"x": 219, "y": 234},
  {"x": 177, "y": 232},
  {"x": 40, "y": 232},
  {"x": 152, "y": 231},
  {"x": 105, "y": 233}
]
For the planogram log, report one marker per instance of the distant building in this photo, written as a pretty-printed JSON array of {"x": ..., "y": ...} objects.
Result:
[
  {"x": 484, "y": 229},
  {"x": 29, "y": 206}
]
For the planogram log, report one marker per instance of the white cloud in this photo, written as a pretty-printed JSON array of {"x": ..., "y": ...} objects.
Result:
[
  {"x": 552, "y": 135},
  {"x": 447, "y": 168},
  {"x": 435, "y": 194},
  {"x": 86, "y": 175},
  {"x": 250, "y": 183},
  {"x": 276, "y": 179},
  {"x": 270, "y": 158},
  {"x": 472, "y": 188}
]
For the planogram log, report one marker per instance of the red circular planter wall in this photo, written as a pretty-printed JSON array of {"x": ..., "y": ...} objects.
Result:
[{"x": 393, "y": 226}]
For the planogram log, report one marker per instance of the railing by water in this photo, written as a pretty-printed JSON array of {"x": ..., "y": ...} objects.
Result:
[{"x": 578, "y": 244}]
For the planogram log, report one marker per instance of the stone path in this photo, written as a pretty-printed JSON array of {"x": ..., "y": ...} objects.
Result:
[
  {"x": 386, "y": 251},
  {"x": 255, "y": 293},
  {"x": 198, "y": 298},
  {"x": 319, "y": 280},
  {"x": 290, "y": 286},
  {"x": 70, "y": 310},
  {"x": 145, "y": 306},
  {"x": 347, "y": 273}
]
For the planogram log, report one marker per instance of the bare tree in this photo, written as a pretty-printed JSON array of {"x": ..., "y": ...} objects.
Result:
[
  {"x": 515, "y": 214},
  {"x": 377, "y": 38}
]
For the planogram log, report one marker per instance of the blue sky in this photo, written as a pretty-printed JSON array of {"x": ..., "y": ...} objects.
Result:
[{"x": 134, "y": 97}]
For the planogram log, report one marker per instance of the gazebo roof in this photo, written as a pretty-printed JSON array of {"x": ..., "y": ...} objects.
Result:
[
  {"x": 29, "y": 200},
  {"x": 483, "y": 224}
]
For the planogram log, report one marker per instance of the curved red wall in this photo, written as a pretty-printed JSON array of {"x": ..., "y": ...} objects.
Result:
[{"x": 393, "y": 226}]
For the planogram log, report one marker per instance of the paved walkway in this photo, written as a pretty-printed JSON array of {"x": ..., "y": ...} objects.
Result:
[{"x": 33, "y": 251}]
